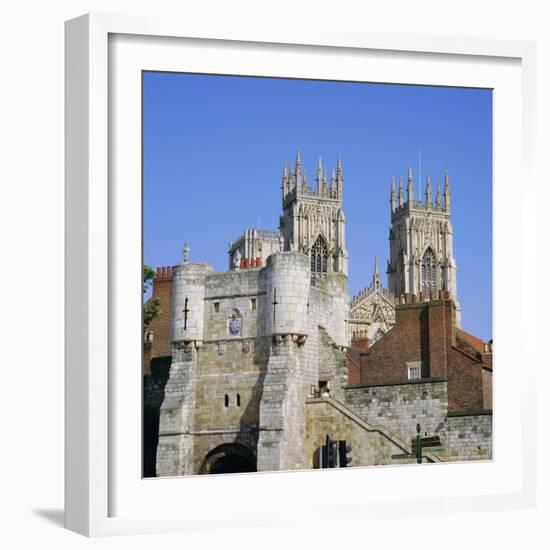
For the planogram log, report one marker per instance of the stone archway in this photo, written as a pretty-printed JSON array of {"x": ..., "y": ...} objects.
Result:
[{"x": 229, "y": 458}]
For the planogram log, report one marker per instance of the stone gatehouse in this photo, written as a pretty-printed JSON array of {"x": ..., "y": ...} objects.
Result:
[{"x": 252, "y": 371}]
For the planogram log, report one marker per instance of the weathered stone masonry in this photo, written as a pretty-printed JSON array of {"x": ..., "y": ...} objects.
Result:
[{"x": 251, "y": 371}]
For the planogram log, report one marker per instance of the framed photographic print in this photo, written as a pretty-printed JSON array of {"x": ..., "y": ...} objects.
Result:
[{"x": 288, "y": 261}]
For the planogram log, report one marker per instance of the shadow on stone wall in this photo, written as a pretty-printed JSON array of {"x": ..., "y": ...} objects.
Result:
[
  {"x": 249, "y": 423},
  {"x": 153, "y": 395}
]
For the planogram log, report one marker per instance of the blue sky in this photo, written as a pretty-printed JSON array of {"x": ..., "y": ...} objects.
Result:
[{"x": 214, "y": 149}]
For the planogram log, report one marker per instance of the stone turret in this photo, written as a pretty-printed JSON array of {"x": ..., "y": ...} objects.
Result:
[
  {"x": 177, "y": 411},
  {"x": 188, "y": 292},
  {"x": 287, "y": 289}
]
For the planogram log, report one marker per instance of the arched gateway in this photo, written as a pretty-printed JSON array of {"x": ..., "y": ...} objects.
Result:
[{"x": 229, "y": 458}]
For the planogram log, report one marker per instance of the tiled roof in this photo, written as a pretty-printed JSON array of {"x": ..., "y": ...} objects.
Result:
[{"x": 476, "y": 343}]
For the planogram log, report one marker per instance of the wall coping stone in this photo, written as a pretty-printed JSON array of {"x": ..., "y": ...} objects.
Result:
[
  {"x": 395, "y": 383},
  {"x": 232, "y": 296},
  {"x": 479, "y": 412}
]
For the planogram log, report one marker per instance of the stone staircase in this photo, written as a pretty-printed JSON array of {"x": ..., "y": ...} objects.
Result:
[{"x": 396, "y": 440}]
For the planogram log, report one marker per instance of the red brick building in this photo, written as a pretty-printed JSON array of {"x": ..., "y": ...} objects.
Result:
[
  {"x": 426, "y": 343},
  {"x": 157, "y": 333}
]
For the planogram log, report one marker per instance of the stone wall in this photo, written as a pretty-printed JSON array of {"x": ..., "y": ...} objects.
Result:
[
  {"x": 399, "y": 407},
  {"x": 176, "y": 422},
  {"x": 469, "y": 436},
  {"x": 369, "y": 448}
]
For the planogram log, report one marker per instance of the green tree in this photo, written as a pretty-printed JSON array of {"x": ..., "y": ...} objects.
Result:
[{"x": 151, "y": 308}]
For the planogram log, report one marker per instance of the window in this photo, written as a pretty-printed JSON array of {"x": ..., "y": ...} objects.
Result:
[
  {"x": 226, "y": 400},
  {"x": 238, "y": 400},
  {"x": 415, "y": 372},
  {"x": 428, "y": 272},
  {"x": 324, "y": 388},
  {"x": 216, "y": 307},
  {"x": 319, "y": 260},
  {"x": 253, "y": 304}
]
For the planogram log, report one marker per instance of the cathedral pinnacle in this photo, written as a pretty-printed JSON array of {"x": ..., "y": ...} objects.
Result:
[
  {"x": 290, "y": 177},
  {"x": 376, "y": 282},
  {"x": 438, "y": 196},
  {"x": 392, "y": 194},
  {"x": 401, "y": 197},
  {"x": 446, "y": 193},
  {"x": 286, "y": 187},
  {"x": 339, "y": 178},
  {"x": 321, "y": 187},
  {"x": 428, "y": 191},
  {"x": 298, "y": 171},
  {"x": 410, "y": 187}
]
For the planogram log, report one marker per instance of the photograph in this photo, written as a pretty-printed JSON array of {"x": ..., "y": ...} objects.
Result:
[{"x": 317, "y": 274}]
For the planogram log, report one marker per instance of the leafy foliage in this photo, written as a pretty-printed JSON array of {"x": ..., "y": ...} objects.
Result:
[{"x": 151, "y": 308}]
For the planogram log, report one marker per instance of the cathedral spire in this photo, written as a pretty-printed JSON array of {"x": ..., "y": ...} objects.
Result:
[
  {"x": 446, "y": 193},
  {"x": 410, "y": 187},
  {"x": 401, "y": 194},
  {"x": 438, "y": 196},
  {"x": 428, "y": 191},
  {"x": 392, "y": 194}
]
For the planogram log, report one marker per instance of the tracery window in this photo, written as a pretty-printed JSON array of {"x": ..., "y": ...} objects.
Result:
[
  {"x": 319, "y": 260},
  {"x": 428, "y": 272}
]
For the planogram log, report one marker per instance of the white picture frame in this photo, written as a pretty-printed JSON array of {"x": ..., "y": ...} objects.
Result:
[{"x": 103, "y": 498}]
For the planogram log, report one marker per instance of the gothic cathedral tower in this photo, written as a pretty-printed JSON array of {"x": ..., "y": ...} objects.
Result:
[
  {"x": 421, "y": 243},
  {"x": 313, "y": 220}
]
